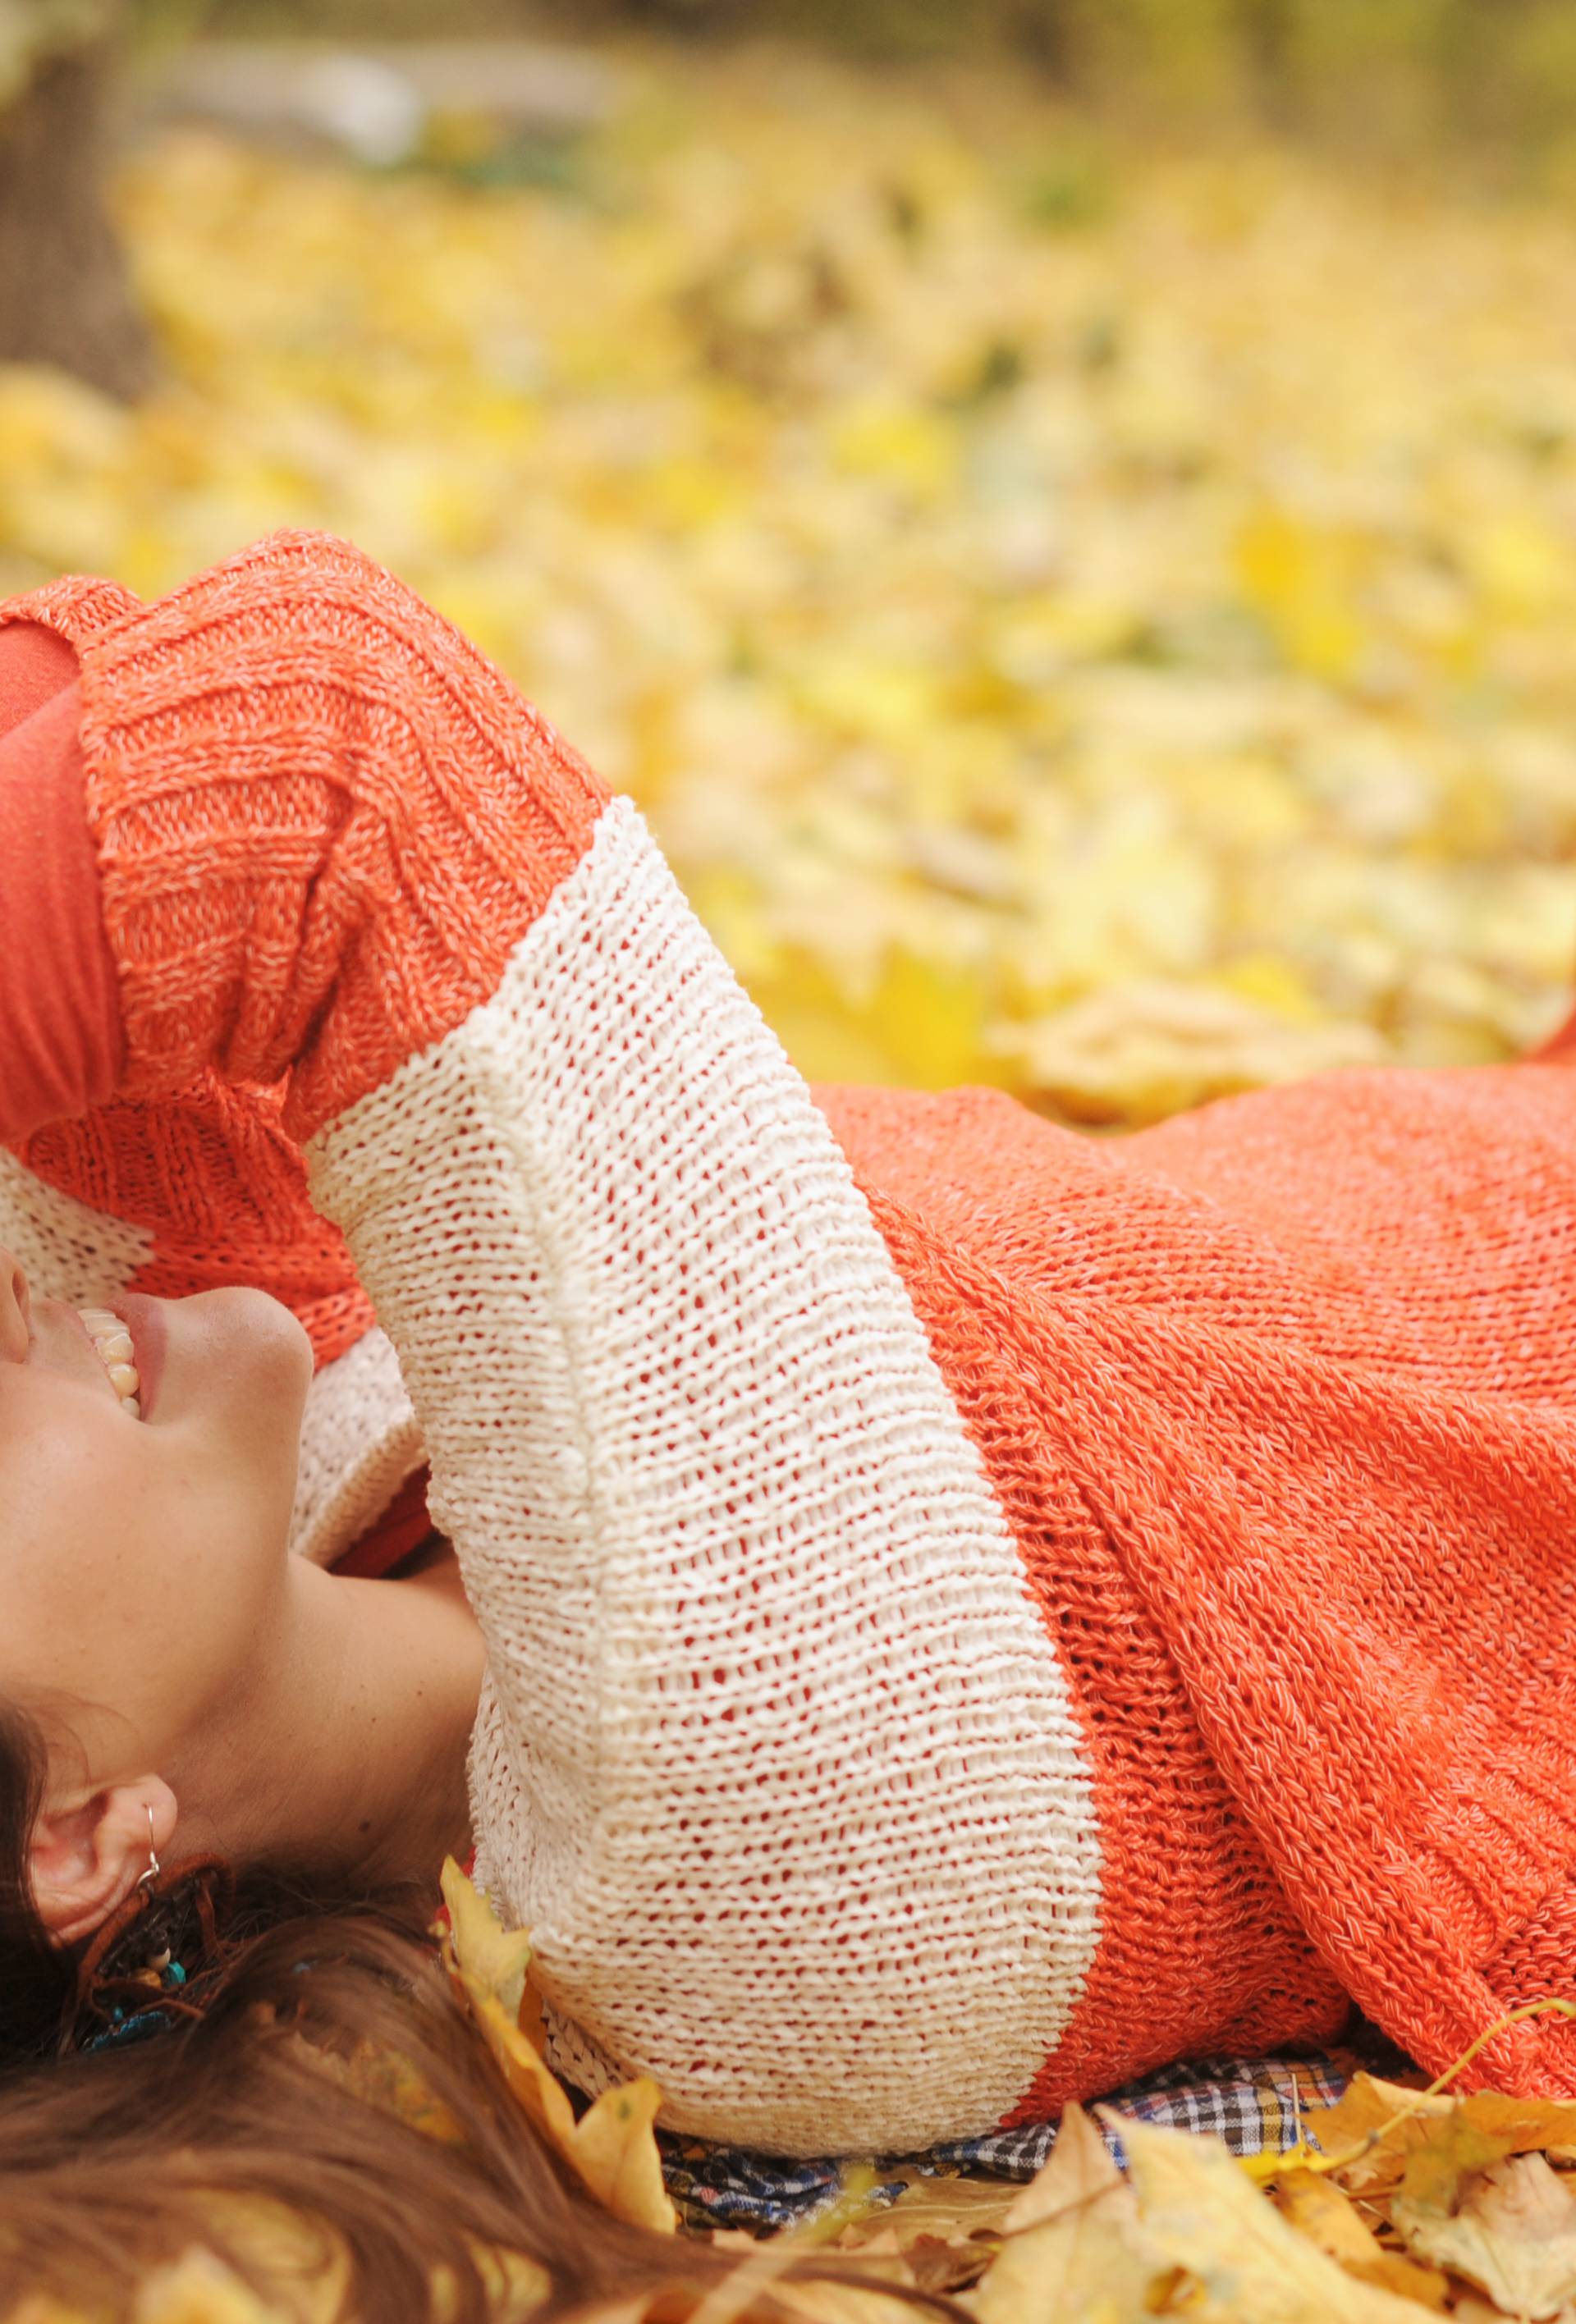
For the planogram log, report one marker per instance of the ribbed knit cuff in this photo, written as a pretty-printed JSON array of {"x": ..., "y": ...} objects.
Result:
[
  {"x": 77, "y": 607},
  {"x": 323, "y": 820}
]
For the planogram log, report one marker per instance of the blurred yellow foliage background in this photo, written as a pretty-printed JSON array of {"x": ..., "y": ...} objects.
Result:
[{"x": 1079, "y": 615}]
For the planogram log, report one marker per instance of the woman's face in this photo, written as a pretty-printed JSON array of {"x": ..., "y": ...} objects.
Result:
[{"x": 143, "y": 1569}]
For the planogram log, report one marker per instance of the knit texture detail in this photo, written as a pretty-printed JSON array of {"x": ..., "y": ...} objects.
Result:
[
  {"x": 322, "y": 818},
  {"x": 69, "y": 1250},
  {"x": 1200, "y": 1947},
  {"x": 360, "y": 1443},
  {"x": 77, "y": 607},
  {"x": 217, "y": 1187},
  {"x": 1303, "y": 1357}
]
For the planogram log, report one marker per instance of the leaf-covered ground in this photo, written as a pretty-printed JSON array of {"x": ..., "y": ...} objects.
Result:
[
  {"x": 1398, "y": 2200},
  {"x": 1093, "y": 620}
]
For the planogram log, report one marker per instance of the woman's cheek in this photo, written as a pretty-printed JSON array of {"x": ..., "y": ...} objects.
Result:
[{"x": 81, "y": 1523}]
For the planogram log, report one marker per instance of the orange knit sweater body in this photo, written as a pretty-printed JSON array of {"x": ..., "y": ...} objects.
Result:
[{"x": 973, "y": 1611}]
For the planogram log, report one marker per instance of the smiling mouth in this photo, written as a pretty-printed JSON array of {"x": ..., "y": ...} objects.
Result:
[{"x": 114, "y": 1343}]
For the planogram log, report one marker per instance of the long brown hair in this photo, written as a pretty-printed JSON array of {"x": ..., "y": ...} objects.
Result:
[{"x": 116, "y": 2160}]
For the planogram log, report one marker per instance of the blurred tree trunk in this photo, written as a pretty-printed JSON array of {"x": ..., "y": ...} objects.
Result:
[{"x": 64, "y": 295}]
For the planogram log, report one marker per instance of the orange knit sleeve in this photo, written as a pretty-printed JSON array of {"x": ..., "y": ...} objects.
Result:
[
  {"x": 206, "y": 1173},
  {"x": 322, "y": 821},
  {"x": 60, "y": 1044}
]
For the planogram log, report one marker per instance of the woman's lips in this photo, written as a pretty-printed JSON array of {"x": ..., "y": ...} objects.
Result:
[{"x": 145, "y": 1320}]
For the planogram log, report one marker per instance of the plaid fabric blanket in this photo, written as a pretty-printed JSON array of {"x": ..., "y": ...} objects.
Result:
[{"x": 1255, "y": 2105}]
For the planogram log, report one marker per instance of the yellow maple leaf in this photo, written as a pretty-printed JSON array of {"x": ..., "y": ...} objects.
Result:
[
  {"x": 1199, "y": 2210},
  {"x": 613, "y": 2151},
  {"x": 496, "y": 1959}
]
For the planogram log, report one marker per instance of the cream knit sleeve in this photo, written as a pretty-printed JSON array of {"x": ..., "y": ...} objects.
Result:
[{"x": 774, "y": 1757}]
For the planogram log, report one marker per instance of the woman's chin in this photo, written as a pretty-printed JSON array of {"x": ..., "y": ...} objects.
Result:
[{"x": 236, "y": 1354}]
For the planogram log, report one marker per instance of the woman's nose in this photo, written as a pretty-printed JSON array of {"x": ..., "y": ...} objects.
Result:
[{"x": 14, "y": 1309}]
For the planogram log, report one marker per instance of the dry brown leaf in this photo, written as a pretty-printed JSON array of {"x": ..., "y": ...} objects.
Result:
[
  {"x": 1070, "y": 2269},
  {"x": 1370, "y": 2130},
  {"x": 836, "y": 2303},
  {"x": 1451, "y": 2151},
  {"x": 199, "y": 2289},
  {"x": 303, "y": 2266},
  {"x": 1079, "y": 2168},
  {"x": 951, "y": 2210},
  {"x": 613, "y": 2151},
  {"x": 1082, "y": 2255},
  {"x": 1421, "y": 2287},
  {"x": 1369, "y": 2104},
  {"x": 1318, "y": 2209},
  {"x": 741, "y": 2296},
  {"x": 883, "y": 2245},
  {"x": 383, "y": 2077},
  {"x": 513, "y": 2286},
  {"x": 1138, "y": 1050},
  {"x": 643, "y": 2309},
  {"x": 612, "y": 2146},
  {"x": 537, "y": 2090},
  {"x": 1373, "y": 2099},
  {"x": 1199, "y": 2211},
  {"x": 1523, "y": 2125},
  {"x": 1513, "y": 2233},
  {"x": 941, "y": 2234},
  {"x": 933, "y": 2264}
]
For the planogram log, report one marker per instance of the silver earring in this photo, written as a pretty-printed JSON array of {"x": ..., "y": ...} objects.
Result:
[{"x": 155, "y": 1867}]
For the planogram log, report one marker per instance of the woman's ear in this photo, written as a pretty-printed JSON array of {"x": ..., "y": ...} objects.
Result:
[{"x": 90, "y": 1848}]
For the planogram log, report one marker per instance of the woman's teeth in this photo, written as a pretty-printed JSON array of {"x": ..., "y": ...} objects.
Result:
[{"x": 113, "y": 1341}]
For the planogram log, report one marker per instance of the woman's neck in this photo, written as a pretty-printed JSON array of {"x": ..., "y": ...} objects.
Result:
[{"x": 351, "y": 1753}]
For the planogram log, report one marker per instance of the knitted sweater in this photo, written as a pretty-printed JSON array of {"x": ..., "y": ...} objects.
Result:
[{"x": 973, "y": 1611}]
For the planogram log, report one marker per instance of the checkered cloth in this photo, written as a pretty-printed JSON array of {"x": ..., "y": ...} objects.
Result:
[{"x": 1255, "y": 2105}]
